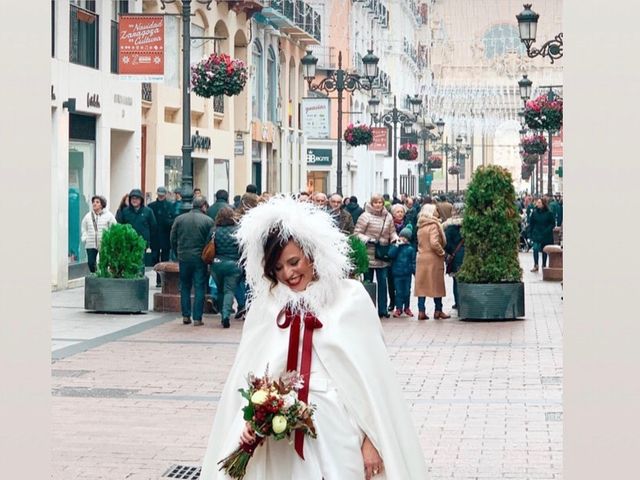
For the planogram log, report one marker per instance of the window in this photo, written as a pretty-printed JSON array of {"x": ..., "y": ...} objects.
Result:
[
  {"x": 84, "y": 34},
  {"x": 53, "y": 28},
  {"x": 117, "y": 7},
  {"x": 501, "y": 39},
  {"x": 171, "y": 52},
  {"x": 197, "y": 46},
  {"x": 272, "y": 85},
  {"x": 257, "y": 81}
]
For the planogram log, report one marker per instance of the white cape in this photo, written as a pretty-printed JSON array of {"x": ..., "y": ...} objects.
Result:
[{"x": 351, "y": 348}]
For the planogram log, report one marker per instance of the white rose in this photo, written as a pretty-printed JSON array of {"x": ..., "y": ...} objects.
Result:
[
  {"x": 259, "y": 397},
  {"x": 279, "y": 424}
]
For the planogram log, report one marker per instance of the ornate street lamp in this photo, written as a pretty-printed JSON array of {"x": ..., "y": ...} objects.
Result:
[
  {"x": 524, "y": 85},
  {"x": 440, "y": 126},
  {"x": 374, "y": 108},
  {"x": 339, "y": 81},
  {"x": 528, "y": 28}
]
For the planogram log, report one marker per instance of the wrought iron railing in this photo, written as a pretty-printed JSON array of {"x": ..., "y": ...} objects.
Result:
[
  {"x": 218, "y": 104},
  {"x": 146, "y": 92}
]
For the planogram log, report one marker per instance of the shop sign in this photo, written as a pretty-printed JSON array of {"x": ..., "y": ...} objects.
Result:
[
  {"x": 380, "y": 136},
  {"x": 141, "y": 47},
  {"x": 122, "y": 99},
  {"x": 199, "y": 142},
  {"x": 315, "y": 117},
  {"x": 93, "y": 100},
  {"x": 319, "y": 157},
  {"x": 238, "y": 147}
]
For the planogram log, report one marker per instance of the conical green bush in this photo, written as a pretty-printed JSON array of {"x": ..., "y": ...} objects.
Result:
[{"x": 121, "y": 253}]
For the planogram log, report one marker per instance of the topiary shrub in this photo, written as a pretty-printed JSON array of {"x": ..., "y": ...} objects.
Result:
[
  {"x": 358, "y": 256},
  {"x": 490, "y": 229},
  {"x": 121, "y": 253}
]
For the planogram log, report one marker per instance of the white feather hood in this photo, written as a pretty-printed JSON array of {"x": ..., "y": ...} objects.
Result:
[{"x": 316, "y": 234}]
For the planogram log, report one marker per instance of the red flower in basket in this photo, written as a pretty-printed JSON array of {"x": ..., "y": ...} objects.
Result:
[
  {"x": 358, "y": 135},
  {"x": 408, "y": 151}
]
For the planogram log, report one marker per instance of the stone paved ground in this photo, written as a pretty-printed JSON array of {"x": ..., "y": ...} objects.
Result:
[{"x": 486, "y": 397}]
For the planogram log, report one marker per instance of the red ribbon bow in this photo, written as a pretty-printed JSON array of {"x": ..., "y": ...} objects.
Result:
[{"x": 293, "y": 320}]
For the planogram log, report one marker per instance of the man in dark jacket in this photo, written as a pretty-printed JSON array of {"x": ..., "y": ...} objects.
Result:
[
  {"x": 164, "y": 211},
  {"x": 222, "y": 200},
  {"x": 189, "y": 234},
  {"x": 343, "y": 220},
  {"x": 140, "y": 217},
  {"x": 354, "y": 209}
]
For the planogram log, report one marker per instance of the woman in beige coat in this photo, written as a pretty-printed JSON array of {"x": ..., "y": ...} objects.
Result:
[
  {"x": 375, "y": 226},
  {"x": 430, "y": 262}
]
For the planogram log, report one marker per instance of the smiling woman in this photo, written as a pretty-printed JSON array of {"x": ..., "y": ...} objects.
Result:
[{"x": 285, "y": 262}]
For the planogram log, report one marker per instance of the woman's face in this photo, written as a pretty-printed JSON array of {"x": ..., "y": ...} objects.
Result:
[
  {"x": 398, "y": 214},
  {"x": 293, "y": 268},
  {"x": 539, "y": 203},
  {"x": 97, "y": 206},
  {"x": 377, "y": 204}
]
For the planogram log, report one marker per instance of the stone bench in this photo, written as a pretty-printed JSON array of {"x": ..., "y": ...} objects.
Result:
[
  {"x": 554, "y": 270},
  {"x": 168, "y": 300}
]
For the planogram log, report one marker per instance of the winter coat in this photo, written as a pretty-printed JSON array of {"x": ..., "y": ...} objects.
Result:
[
  {"x": 355, "y": 210},
  {"x": 453, "y": 233},
  {"x": 374, "y": 227},
  {"x": 215, "y": 208},
  {"x": 164, "y": 211},
  {"x": 343, "y": 220},
  {"x": 142, "y": 220},
  {"x": 556, "y": 209},
  {"x": 541, "y": 225},
  {"x": 403, "y": 256},
  {"x": 430, "y": 259},
  {"x": 189, "y": 234},
  {"x": 90, "y": 236},
  {"x": 226, "y": 244}
]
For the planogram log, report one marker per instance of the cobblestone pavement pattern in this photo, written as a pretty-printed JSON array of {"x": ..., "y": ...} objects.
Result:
[{"x": 486, "y": 397}]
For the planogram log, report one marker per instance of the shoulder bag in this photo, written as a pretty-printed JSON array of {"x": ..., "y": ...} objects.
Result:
[
  {"x": 449, "y": 258},
  {"x": 381, "y": 252},
  {"x": 209, "y": 250}
]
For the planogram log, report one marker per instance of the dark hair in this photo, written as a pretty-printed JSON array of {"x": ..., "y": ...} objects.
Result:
[
  {"x": 353, "y": 199},
  {"x": 222, "y": 195},
  {"x": 103, "y": 201},
  {"x": 545, "y": 202},
  {"x": 225, "y": 216},
  {"x": 385, "y": 197},
  {"x": 251, "y": 188},
  {"x": 273, "y": 248}
]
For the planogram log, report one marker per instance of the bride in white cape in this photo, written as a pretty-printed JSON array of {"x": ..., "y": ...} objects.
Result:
[{"x": 295, "y": 257}]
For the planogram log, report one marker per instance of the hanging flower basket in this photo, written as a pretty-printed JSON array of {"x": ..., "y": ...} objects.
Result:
[
  {"x": 358, "y": 135},
  {"x": 526, "y": 171},
  {"x": 408, "y": 151},
  {"x": 543, "y": 114},
  {"x": 435, "y": 162},
  {"x": 534, "y": 144},
  {"x": 454, "y": 170},
  {"x": 218, "y": 75},
  {"x": 530, "y": 158}
]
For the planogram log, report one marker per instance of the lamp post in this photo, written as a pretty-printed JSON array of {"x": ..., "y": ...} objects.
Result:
[
  {"x": 459, "y": 141},
  {"x": 528, "y": 27},
  {"x": 339, "y": 81},
  {"x": 391, "y": 120}
]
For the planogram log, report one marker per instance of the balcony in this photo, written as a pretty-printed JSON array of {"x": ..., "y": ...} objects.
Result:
[
  {"x": 218, "y": 104},
  {"x": 295, "y": 18},
  {"x": 146, "y": 92},
  {"x": 247, "y": 6}
]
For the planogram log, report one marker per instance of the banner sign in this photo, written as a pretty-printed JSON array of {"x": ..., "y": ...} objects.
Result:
[
  {"x": 319, "y": 157},
  {"x": 141, "y": 47},
  {"x": 315, "y": 117},
  {"x": 380, "y": 136}
]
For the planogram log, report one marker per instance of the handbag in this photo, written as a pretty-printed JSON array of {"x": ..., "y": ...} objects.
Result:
[
  {"x": 381, "y": 252},
  {"x": 209, "y": 250},
  {"x": 449, "y": 258}
]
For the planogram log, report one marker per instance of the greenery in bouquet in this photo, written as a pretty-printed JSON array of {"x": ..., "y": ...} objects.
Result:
[
  {"x": 408, "y": 151},
  {"x": 534, "y": 144},
  {"x": 435, "y": 162},
  {"x": 544, "y": 114},
  {"x": 219, "y": 74},
  {"x": 358, "y": 135}
]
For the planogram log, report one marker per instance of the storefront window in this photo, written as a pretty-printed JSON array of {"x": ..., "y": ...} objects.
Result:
[
  {"x": 172, "y": 173},
  {"x": 220, "y": 174},
  {"x": 82, "y": 175}
]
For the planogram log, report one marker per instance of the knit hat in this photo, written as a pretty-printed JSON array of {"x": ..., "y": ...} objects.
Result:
[{"x": 407, "y": 232}]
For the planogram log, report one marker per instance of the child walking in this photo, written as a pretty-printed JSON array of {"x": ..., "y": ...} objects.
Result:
[{"x": 403, "y": 265}]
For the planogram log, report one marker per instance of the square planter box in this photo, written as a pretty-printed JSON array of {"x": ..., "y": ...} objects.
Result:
[
  {"x": 116, "y": 295},
  {"x": 491, "y": 301}
]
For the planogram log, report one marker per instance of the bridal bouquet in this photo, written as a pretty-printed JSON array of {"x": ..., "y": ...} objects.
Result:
[{"x": 273, "y": 410}]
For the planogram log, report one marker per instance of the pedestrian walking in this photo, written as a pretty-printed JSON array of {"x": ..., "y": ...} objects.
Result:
[
  {"x": 124, "y": 203},
  {"x": 189, "y": 234},
  {"x": 375, "y": 229},
  {"x": 430, "y": 262},
  {"x": 444, "y": 208},
  {"x": 342, "y": 219},
  {"x": 541, "y": 224},
  {"x": 140, "y": 217},
  {"x": 225, "y": 269},
  {"x": 454, "y": 248},
  {"x": 164, "y": 211},
  {"x": 222, "y": 200},
  {"x": 403, "y": 266},
  {"x": 297, "y": 261},
  {"x": 354, "y": 209},
  {"x": 398, "y": 212},
  {"x": 93, "y": 225}
]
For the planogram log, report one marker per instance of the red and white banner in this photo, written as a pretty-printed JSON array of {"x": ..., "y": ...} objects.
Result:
[
  {"x": 141, "y": 47},
  {"x": 380, "y": 136}
]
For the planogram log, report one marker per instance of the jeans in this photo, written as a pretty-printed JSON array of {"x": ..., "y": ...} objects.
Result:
[
  {"x": 392, "y": 288},
  {"x": 192, "y": 274},
  {"x": 92, "y": 255},
  {"x": 381, "y": 279},
  {"x": 536, "y": 256},
  {"x": 402, "y": 285},
  {"x": 227, "y": 274},
  {"x": 157, "y": 256},
  {"x": 422, "y": 306},
  {"x": 241, "y": 292}
]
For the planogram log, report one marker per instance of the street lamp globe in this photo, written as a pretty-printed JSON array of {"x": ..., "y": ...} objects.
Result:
[
  {"x": 469, "y": 149},
  {"x": 527, "y": 25},
  {"x": 525, "y": 88},
  {"x": 416, "y": 104},
  {"x": 309, "y": 63},
  {"x": 440, "y": 126},
  {"x": 408, "y": 125},
  {"x": 370, "y": 62},
  {"x": 459, "y": 140},
  {"x": 374, "y": 106}
]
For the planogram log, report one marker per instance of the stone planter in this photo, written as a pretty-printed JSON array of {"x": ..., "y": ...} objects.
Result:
[
  {"x": 168, "y": 299},
  {"x": 554, "y": 271},
  {"x": 491, "y": 301},
  {"x": 372, "y": 290},
  {"x": 116, "y": 295}
]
